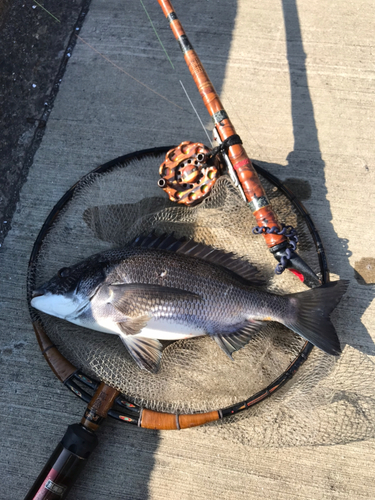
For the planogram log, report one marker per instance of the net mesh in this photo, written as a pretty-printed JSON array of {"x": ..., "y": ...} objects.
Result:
[{"x": 108, "y": 210}]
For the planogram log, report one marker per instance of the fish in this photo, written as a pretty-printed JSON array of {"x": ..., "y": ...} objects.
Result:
[{"x": 162, "y": 288}]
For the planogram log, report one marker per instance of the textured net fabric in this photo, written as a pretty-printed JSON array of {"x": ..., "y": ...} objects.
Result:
[
  {"x": 110, "y": 209},
  {"x": 327, "y": 402}
]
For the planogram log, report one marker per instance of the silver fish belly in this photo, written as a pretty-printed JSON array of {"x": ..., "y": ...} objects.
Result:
[{"x": 146, "y": 293}]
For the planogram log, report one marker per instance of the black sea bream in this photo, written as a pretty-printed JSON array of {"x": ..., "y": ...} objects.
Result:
[{"x": 164, "y": 289}]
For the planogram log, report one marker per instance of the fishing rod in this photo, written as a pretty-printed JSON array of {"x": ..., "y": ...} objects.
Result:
[{"x": 184, "y": 166}]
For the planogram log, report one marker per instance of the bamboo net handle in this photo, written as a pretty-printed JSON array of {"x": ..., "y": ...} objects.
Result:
[{"x": 171, "y": 421}]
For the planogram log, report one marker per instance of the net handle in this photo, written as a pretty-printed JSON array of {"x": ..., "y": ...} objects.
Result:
[{"x": 71, "y": 454}]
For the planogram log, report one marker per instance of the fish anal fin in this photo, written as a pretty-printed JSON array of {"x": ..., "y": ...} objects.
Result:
[
  {"x": 219, "y": 339},
  {"x": 145, "y": 352},
  {"x": 233, "y": 341}
]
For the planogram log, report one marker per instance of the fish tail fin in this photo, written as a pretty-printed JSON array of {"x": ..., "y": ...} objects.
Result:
[{"x": 311, "y": 317}]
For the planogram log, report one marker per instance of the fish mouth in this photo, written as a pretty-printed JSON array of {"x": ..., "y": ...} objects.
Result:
[{"x": 58, "y": 305}]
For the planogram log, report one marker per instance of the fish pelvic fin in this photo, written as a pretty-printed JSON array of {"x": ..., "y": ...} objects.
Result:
[
  {"x": 232, "y": 342},
  {"x": 132, "y": 326},
  {"x": 311, "y": 311},
  {"x": 145, "y": 352}
]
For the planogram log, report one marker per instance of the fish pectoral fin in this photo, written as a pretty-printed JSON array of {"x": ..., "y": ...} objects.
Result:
[
  {"x": 126, "y": 296},
  {"x": 145, "y": 352},
  {"x": 233, "y": 341}
]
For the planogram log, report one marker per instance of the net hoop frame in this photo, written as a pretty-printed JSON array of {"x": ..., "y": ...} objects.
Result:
[{"x": 122, "y": 409}]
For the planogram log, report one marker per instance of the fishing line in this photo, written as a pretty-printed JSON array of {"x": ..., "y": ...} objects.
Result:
[
  {"x": 196, "y": 112},
  {"x": 128, "y": 74},
  {"x": 156, "y": 33},
  {"x": 116, "y": 66},
  {"x": 48, "y": 12},
  {"x": 182, "y": 85},
  {"x": 148, "y": 88}
]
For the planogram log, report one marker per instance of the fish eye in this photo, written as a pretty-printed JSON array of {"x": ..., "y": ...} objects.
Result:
[{"x": 63, "y": 272}]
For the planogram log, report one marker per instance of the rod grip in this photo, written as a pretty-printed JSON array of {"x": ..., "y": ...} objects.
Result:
[{"x": 65, "y": 464}]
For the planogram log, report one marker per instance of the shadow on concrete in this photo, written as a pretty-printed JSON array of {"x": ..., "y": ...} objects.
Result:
[{"x": 306, "y": 156}]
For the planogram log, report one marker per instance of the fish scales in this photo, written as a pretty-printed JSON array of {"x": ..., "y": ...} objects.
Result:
[{"x": 210, "y": 283}]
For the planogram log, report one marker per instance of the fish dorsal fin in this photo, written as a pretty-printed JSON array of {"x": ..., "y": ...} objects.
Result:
[
  {"x": 145, "y": 352},
  {"x": 163, "y": 242},
  {"x": 232, "y": 342},
  {"x": 191, "y": 248}
]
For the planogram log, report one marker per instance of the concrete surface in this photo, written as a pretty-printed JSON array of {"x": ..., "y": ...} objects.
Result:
[{"x": 298, "y": 84}]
